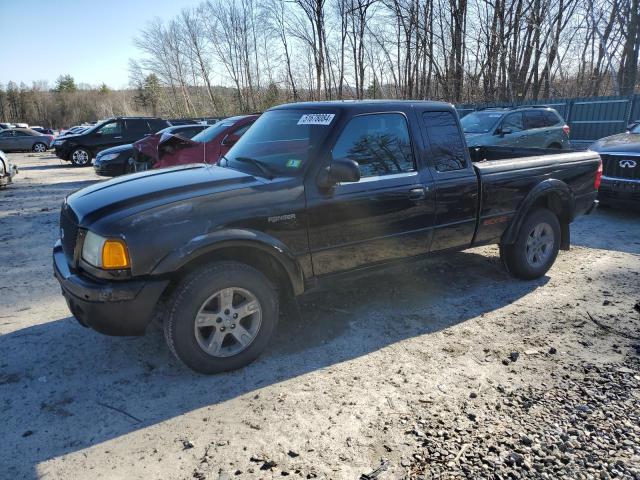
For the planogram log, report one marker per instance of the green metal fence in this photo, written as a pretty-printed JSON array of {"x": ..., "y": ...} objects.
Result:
[{"x": 590, "y": 118}]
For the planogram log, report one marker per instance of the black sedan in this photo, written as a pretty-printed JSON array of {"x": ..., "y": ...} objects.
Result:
[
  {"x": 121, "y": 159},
  {"x": 620, "y": 168}
]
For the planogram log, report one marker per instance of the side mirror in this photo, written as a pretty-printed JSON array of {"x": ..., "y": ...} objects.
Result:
[
  {"x": 340, "y": 170},
  {"x": 230, "y": 139},
  {"x": 505, "y": 131},
  {"x": 97, "y": 134}
]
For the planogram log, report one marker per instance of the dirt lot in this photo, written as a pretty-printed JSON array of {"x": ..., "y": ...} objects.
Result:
[{"x": 449, "y": 370}]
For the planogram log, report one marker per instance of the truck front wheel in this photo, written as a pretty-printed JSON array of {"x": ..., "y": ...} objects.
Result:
[
  {"x": 221, "y": 317},
  {"x": 536, "y": 246}
]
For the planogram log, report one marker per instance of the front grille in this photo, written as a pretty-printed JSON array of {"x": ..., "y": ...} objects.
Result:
[
  {"x": 611, "y": 166},
  {"x": 69, "y": 233}
]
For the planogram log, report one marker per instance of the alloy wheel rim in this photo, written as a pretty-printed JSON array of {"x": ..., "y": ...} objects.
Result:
[
  {"x": 39, "y": 147},
  {"x": 228, "y": 322},
  {"x": 539, "y": 244},
  {"x": 80, "y": 156}
]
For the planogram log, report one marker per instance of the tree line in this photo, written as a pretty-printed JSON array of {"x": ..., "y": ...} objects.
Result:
[{"x": 235, "y": 56}]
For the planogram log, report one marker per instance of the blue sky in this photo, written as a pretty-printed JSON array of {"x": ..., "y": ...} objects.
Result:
[{"x": 90, "y": 40}]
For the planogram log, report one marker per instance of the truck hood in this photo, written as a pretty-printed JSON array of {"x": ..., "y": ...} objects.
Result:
[
  {"x": 623, "y": 142},
  {"x": 140, "y": 191}
]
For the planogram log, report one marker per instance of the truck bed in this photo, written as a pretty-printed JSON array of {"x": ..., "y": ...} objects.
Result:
[
  {"x": 501, "y": 182},
  {"x": 488, "y": 153}
]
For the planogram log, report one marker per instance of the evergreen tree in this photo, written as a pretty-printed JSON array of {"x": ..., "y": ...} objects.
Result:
[{"x": 65, "y": 83}]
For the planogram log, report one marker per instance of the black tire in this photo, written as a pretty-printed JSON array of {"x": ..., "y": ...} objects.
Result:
[
  {"x": 80, "y": 157},
  {"x": 194, "y": 291},
  {"x": 555, "y": 146},
  {"x": 39, "y": 147},
  {"x": 515, "y": 256}
]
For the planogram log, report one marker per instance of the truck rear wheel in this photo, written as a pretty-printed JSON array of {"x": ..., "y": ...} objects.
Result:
[
  {"x": 221, "y": 317},
  {"x": 536, "y": 246}
]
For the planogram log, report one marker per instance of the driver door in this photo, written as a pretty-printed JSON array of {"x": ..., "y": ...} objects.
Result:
[
  {"x": 386, "y": 215},
  {"x": 109, "y": 135},
  {"x": 513, "y": 122}
]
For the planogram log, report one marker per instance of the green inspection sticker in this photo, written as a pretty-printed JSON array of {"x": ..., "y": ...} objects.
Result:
[{"x": 293, "y": 163}]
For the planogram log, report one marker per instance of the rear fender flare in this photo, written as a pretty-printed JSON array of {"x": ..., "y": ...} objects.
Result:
[
  {"x": 234, "y": 238},
  {"x": 541, "y": 190}
]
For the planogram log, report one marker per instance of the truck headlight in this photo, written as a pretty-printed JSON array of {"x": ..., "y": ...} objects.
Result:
[{"x": 107, "y": 253}]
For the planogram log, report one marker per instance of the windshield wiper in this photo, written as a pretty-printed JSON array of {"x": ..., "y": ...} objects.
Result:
[{"x": 268, "y": 173}]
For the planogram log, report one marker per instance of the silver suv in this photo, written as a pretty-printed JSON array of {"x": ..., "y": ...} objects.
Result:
[{"x": 535, "y": 127}]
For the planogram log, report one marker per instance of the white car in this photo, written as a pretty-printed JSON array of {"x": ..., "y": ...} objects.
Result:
[{"x": 7, "y": 170}]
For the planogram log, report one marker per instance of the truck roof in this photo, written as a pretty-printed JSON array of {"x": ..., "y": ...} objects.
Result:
[{"x": 367, "y": 105}]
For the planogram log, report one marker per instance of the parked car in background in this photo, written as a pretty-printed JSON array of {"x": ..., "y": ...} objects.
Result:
[
  {"x": 7, "y": 170},
  {"x": 537, "y": 127},
  {"x": 74, "y": 130},
  {"x": 6, "y": 126},
  {"x": 122, "y": 159},
  {"x": 207, "y": 146},
  {"x": 24, "y": 139},
  {"x": 81, "y": 148},
  {"x": 621, "y": 167},
  {"x": 21, "y": 125},
  {"x": 45, "y": 131}
]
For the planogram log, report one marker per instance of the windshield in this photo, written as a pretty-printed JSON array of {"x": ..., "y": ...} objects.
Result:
[
  {"x": 635, "y": 129},
  {"x": 480, "y": 122},
  {"x": 281, "y": 141},
  {"x": 213, "y": 131}
]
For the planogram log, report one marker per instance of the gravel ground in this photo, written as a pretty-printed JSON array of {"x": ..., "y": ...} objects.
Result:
[{"x": 450, "y": 369}]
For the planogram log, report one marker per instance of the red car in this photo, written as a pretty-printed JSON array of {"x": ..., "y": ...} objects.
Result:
[{"x": 207, "y": 146}]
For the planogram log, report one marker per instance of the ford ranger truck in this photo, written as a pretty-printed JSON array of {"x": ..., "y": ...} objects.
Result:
[{"x": 312, "y": 191}]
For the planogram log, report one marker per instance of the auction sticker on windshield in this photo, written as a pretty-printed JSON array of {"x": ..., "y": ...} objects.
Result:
[{"x": 316, "y": 119}]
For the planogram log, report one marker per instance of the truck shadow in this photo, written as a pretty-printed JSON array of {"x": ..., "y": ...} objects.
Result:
[{"x": 78, "y": 388}]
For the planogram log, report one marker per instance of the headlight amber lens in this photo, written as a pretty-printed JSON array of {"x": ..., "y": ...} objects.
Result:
[{"x": 115, "y": 255}]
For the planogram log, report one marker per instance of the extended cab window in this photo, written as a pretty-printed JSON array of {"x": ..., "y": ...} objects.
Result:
[
  {"x": 379, "y": 143},
  {"x": 110, "y": 129},
  {"x": 447, "y": 147}
]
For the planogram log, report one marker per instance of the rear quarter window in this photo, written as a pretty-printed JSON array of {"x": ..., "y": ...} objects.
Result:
[
  {"x": 534, "y": 119},
  {"x": 447, "y": 147},
  {"x": 552, "y": 118}
]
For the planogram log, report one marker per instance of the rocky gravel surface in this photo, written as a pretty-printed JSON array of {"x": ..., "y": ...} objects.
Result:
[
  {"x": 448, "y": 369},
  {"x": 585, "y": 425}
]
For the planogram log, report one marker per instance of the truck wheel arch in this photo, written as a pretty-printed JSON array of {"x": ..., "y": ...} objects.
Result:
[
  {"x": 256, "y": 249},
  {"x": 553, "y": 194}
]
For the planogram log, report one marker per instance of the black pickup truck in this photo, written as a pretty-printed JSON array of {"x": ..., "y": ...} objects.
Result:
[{"x": 311, "y": 191}]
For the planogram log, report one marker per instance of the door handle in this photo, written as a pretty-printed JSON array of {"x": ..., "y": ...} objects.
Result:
[
  {"x": 417, "y": 193},
  {"x": 117, "y": 138}
]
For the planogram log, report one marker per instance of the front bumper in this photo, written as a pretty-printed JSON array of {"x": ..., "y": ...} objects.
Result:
[
  {"x": 119, "y": 308},
  {"x": 108, "y": 169},
  {"x": 60, "y": 152},
  {"x": 620, "y": 192}
]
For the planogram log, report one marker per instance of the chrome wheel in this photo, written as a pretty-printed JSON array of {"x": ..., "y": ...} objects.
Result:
[
  {"x": 539, "y": 244},
  {"x": 80, "y": 157},
  {"x": 39, "y": 148},
  {"x": 227, "y": 322}
]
